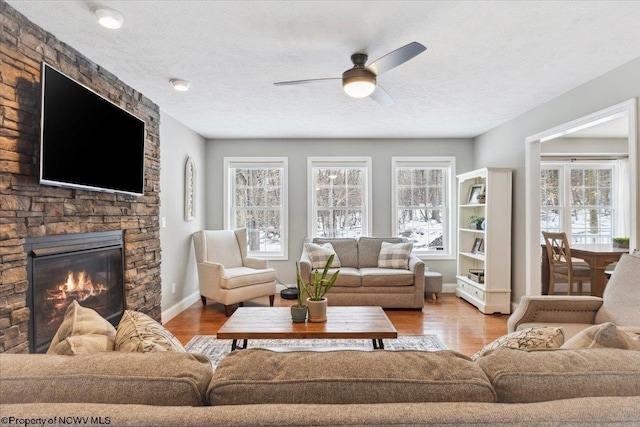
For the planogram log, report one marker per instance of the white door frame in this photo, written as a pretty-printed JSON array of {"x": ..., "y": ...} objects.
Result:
[{"x": 629, "y": 108}]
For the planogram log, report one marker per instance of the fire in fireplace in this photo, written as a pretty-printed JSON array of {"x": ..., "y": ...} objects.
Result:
[{"x": 87, "y": 268}]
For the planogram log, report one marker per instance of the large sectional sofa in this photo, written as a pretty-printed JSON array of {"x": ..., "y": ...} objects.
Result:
[
  {"x": 362, "y": 282},
  {"x": 579, "y": 387}
]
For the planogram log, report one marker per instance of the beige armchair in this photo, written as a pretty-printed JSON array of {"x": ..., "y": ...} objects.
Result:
[
  {"x": 620, "y": 304},
  {"x": 225, "y": 272}
]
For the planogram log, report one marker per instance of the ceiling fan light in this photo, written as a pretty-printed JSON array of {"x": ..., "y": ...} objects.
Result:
[
  {"x": 359, "y": 89},
  {"x": 358, "y": 82},
  {"x": 109, "y": 18}
]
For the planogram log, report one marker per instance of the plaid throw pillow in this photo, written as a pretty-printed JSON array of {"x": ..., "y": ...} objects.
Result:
[
  {"x": 395, "y": 255},
  {"x": 320, "y": 254}
]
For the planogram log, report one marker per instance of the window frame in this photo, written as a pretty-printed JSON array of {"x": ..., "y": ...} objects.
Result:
[
  {"x": 231, "y": 163},
  {"x": 564, "y": 206},
  {"x": 338, "y": 163},
  {"x": 440, "y": 162}
]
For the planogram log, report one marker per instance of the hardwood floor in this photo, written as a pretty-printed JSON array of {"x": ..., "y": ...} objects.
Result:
[{"x": 459, "y": 324}]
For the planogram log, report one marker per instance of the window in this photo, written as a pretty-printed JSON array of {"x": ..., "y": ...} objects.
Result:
[
  {"x": 421, "y": 200},
  {"x": 256, "y": 199},
  {"x": 339, "y": 196},
  {"x": 578, "y": 198}
]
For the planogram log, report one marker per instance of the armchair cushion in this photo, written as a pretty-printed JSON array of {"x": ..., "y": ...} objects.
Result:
[{"x": 239, "y": 277}]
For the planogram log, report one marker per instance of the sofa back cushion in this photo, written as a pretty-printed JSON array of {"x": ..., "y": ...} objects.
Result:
[
  {"x": 165, "y": 379},
  {"x": 256, "y": 376},
  {"x": 369, "y": 249},
  {"x": 346, "y": 249},
  {"x": 520, "y": 376}
]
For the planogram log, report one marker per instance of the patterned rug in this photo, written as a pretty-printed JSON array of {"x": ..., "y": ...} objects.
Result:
[{"x": 215, "y": 349}]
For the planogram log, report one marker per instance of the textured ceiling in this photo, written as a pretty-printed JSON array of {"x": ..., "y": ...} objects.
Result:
[{"x": 486, "y": 61}]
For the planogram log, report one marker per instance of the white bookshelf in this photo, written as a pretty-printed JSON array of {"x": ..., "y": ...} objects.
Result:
[{"x": 494, "y": 258}]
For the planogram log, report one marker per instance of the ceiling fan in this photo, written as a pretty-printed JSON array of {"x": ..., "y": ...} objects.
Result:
[{"x": 361, "y": 80}]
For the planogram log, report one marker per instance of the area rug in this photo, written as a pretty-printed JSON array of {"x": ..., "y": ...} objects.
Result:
[{"x": 215, "y": 349}]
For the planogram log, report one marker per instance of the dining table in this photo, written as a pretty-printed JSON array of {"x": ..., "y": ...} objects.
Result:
[{"x": 597, "y": 257}]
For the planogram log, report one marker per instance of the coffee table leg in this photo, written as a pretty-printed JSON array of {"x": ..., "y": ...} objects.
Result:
[
  {"x": 235, "y": 346},
  {"x": 378, "y": 344}
]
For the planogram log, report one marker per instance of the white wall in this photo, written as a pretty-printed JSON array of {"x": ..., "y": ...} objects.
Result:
[
  {"x": 177, "y": 143},
  {"x": 504, "y": 146},
  {"x": 297, "y": 151}
]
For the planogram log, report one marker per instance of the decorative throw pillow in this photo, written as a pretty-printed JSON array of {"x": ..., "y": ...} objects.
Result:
[
  {"x": 603, "y": 335},
  {"x": 395, "y": 255},
  {"x": 530, "y": 338},
  {"x": 138, "y": 332},
  {"x": 82, "y": 331},
  {"x": 320, "y": 254}
]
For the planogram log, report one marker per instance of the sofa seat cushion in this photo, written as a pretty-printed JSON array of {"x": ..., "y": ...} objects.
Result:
[
  {"x": 239, "y": 277},
  {"x": 369, "y": 249},
  {"x": 167, "y": 378},
  {"x": 520, "y": 376},
  {"x": 346, "y": 376},
  {"x": 386, "y": 277},
  {"x": 346, "y": 249},
  {"x": 349, "y": 277}
]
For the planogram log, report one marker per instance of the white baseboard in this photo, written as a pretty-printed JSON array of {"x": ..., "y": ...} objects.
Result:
[
  {"x": 178, "y": 308},
  {"x": 448, "y": 288}
]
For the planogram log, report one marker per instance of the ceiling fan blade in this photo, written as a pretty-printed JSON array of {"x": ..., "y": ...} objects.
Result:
[
  {"x": 302, "y": 82},
  {"x": 395, "y": 58},
  {"x": 381, "y": 96}
]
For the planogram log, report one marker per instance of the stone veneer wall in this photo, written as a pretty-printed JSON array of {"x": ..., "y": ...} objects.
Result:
[{"x": 28, "y": 209}]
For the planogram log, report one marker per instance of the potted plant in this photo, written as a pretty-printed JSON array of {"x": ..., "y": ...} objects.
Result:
[
  {"x": 621, "y": 242},
  {"x": 475, "y": 222},
  {"x": 316, "y": 290},
  {"x": 299, "y": 310}
]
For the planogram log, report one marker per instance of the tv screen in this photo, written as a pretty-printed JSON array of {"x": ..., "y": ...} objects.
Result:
[{"x": 87, "y": 141}]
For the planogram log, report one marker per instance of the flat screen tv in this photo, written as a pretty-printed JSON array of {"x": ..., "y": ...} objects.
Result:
[{"x": 87, "y": 141}]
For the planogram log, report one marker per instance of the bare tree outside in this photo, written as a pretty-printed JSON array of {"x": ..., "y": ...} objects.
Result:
[
  {"x": 258, "y": 205},
  {"x": 421, "y": 205},
  {"x": 588, "y": 214},
  {"x": 339, "y": 201}
]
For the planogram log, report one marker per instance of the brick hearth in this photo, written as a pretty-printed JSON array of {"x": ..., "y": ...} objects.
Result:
[{"x": 28, "y": 209}]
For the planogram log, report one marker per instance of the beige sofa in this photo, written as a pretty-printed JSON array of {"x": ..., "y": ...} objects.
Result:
[
  {"x": 594, "y": 387},
  {"x": 361, "y": 282}
]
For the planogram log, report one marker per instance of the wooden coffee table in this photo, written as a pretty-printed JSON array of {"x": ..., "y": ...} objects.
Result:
[{"x": 275, "y": 323}]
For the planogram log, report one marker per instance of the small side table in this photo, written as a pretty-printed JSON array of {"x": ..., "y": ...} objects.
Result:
[{"x": 432, "y": 283}]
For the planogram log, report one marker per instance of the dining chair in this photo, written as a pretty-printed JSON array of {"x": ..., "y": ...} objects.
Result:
[{"x": 561, "y": 264}]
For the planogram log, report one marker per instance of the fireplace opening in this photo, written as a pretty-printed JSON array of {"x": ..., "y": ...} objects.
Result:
[{"x": 88, "y": 268}]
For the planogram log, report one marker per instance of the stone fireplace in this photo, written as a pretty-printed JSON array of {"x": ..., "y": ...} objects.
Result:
[
  {"x": 30, "y": 211},
  {"x": 87, "y": 268}
]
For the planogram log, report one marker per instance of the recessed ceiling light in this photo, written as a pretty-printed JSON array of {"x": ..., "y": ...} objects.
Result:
[
  {"x": 109, "y": 18},
  {"x": 181, "y": 85}
]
